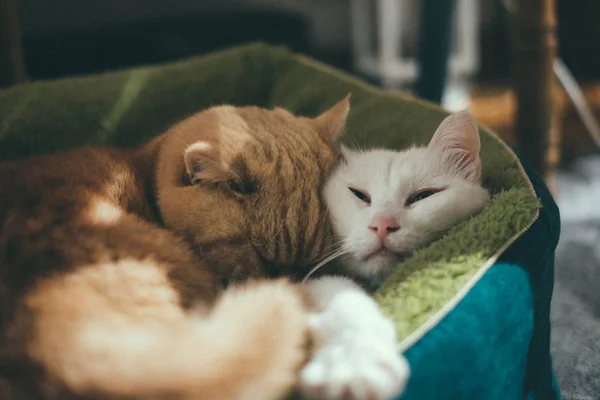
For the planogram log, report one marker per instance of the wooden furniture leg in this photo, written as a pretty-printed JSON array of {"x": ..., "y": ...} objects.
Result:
[
  {"x": 534, "y": 48},
  {"x": 12, "y": 66},
  {"x": 435, "y": 46}
]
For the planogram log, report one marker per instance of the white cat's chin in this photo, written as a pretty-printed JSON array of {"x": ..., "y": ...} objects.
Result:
[{"x": 375, "y": 265}]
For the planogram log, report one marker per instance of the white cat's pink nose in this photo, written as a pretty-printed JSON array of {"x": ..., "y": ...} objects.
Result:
[{"x": 383, "y": 226}]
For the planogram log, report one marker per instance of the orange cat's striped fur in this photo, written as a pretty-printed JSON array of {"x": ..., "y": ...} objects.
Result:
[{"x": 116, "y": 272}]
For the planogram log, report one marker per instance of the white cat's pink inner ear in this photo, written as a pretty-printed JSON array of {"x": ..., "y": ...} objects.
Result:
[
  {"x": 458, "y": 131},
  {"x": 458, "y": 137}
]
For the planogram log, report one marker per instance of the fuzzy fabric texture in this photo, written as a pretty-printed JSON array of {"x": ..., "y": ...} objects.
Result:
[{"x": 127, "y": 107}]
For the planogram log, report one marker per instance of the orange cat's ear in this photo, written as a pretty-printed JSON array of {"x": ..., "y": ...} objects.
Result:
[
  {"x": 203, "y": 163},
  {"x": 457, "y": 138},
  {"x": 331, "y": 123}
]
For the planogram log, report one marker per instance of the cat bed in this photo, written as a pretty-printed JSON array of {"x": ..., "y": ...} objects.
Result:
[{"x": 471, "y": 310}]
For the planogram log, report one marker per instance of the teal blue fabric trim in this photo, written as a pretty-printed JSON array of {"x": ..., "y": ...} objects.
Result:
[{"x": 495, "y": 345}]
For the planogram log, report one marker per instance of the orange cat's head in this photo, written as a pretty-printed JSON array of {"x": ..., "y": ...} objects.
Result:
[{"x": 244, "y": 185}]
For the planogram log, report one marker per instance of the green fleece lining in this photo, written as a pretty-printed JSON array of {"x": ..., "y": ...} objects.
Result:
[{"x": 127, "y": 107}]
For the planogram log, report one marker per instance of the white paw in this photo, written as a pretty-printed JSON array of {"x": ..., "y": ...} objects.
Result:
[{"x": 356, "y": 366}]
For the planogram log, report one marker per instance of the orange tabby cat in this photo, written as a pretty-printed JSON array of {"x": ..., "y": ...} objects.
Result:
[{"x": 112, "y": 262}]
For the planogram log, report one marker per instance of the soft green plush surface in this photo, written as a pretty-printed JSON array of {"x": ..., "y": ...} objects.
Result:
[{"x": 125, "y": 108}]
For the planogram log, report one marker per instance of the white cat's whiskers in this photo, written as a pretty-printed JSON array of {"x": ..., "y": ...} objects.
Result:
[
  {"x": 334, "y": 245},
  {"x": 364, "y": 133},
  {"x": 356, "y": 143},
  {"x": 327, "y": 252},
  {"x": 336, "y": 254}
]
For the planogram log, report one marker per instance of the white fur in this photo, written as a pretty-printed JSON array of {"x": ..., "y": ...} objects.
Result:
[
  {"x": 355, "y": 354},
  {"x": 390, "y": 177}
]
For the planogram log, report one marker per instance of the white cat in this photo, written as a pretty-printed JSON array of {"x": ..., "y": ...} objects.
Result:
[{"x": 384, "y": 204}]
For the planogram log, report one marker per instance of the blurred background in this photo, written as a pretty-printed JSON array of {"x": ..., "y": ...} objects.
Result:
[{"x": 459, "y": 53}]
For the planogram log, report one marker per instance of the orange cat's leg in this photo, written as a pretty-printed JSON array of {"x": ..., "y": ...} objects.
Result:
[
  {"x": 99, "y": 308},
  {"x": 115, "y": 329}
]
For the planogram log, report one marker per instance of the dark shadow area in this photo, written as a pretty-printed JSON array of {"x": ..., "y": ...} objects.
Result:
[{"x": 84, "y": 51}]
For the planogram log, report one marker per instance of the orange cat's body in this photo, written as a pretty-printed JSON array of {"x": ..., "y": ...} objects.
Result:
[{"x": 113, "y": 267}]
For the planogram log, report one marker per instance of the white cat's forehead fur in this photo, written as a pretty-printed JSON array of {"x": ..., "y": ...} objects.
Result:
[
  {"x": 389, "y": 172},
  {"x": 389, "y": 178}
]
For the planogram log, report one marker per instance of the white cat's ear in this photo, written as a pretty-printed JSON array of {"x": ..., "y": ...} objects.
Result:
[
  {"x": 203, "y": 163},
  {"x": 331, "y": 123},
  {"x": 457, "y": 138}
]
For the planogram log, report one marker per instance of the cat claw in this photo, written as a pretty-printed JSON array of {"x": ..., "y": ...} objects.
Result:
[{"x": 359, "y": 367}]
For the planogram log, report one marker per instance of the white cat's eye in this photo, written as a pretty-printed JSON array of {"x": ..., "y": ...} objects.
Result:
[
  {"x": 422, "y": 194},
  {"x": 361, "y": 195}
]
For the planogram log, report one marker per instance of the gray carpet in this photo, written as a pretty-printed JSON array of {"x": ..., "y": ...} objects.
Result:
[{"x": 576, "y": 303}]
